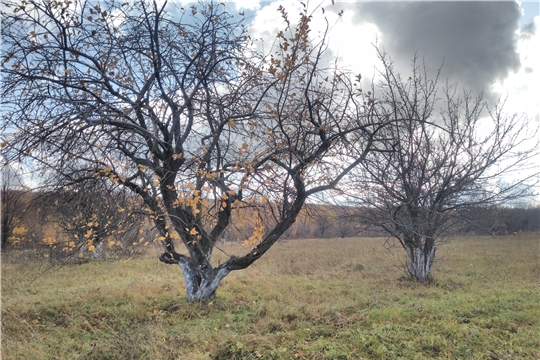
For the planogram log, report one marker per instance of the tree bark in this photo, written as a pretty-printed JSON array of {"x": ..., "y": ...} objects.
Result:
[
  {"x": 420, "y": 261},
  {"x": 202, "y": 280}
]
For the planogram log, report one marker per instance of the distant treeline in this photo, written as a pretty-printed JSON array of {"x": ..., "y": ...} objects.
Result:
[
  {"x": 34, "y": 223},
  {"x": 323, "y": 221}
]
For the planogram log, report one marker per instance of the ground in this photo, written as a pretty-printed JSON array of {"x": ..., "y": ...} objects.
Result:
[{"x": 305, "y": 299}]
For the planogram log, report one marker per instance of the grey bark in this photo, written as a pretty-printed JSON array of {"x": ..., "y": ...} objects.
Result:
[
  {"x": 420, "y": 262},
  {"x": 201, "y": 284}
]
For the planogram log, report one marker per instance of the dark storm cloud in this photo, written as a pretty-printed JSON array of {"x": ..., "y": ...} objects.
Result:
[{"x": 476, "y": 40}]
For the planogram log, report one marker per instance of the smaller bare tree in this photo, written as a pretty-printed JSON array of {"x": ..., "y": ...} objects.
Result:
[
  {"x": 438, "y": 165},
  {"x": 94, "y": 216},
  {"x": 13, "y": 202}
]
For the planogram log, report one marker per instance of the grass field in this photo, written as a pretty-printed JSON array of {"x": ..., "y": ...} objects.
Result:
[{"x": 306, "y": 299}]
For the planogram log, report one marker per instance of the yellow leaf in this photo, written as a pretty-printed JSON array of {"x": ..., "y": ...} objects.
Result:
[
  {"x": 193, "y": 231},
  {"x": 231, "y": 123}
]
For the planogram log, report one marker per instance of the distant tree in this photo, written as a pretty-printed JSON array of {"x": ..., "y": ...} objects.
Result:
[
  {"x": 443, "y": 159},
  {"x": 324, "y": 219},
  {"x": 14, "y": 205},
  {"x": 178, "y": 106},
  {"x": 93, "y": 216}
]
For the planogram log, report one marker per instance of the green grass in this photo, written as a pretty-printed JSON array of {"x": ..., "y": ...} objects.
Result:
[{"x": 308, "y": 299}]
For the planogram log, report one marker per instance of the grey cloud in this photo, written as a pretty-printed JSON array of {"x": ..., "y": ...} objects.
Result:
[{"x": 476, "y": 40}]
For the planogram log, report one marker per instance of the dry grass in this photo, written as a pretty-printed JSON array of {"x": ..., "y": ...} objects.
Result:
[{"x": 306, "y": 299}]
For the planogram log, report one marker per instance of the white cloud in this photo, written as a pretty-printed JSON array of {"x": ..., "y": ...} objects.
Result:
[
  {"x": 268, "y": 21},
  {"x": 349, "y": 41},
  {"x": 523, "y": 86},
  {"x": 353, "y": 43},
  {"x": 245, "y": 4}
]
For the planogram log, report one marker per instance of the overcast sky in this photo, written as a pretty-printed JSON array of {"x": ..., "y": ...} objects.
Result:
[{"x": 489, "y": 46}]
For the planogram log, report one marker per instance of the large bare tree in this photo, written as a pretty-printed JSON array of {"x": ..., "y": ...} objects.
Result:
[
  {"x": 446, "y": 158},
  {"x": 178, "y": 106}
]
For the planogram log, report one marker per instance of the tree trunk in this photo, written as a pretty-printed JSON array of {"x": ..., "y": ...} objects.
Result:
[
  {"x": 202, "y": 280},
  {"x": 420, "y": 261},
  {"x": 201, "y": 285},
  {"x": 5, "y": 229}
]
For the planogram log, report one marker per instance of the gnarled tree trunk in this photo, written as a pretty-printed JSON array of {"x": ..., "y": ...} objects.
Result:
[
  {"x": 420, "y": 260},
  {"x": 202, "y": 280}
]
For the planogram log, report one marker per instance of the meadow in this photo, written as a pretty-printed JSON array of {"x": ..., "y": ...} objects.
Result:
[{"x": 305, "y": 299}]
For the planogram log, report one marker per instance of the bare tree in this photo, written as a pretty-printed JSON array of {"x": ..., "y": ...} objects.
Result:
[
  {"x": 13, "y": 200},
  {"x": 94, "y": 215},
  {"x": 439, "y": 165},
  {"x": 177, "y": 106}
]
